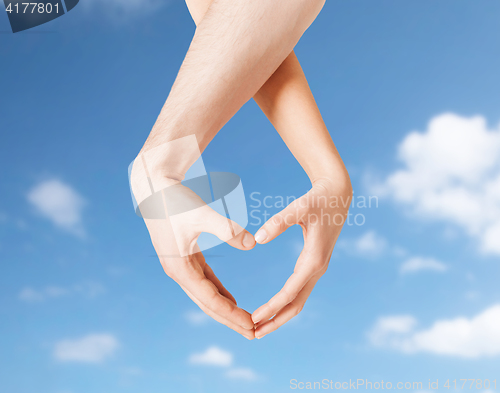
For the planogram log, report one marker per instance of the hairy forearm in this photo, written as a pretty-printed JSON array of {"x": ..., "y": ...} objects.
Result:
[
  {"x": 236, "y": 47},
  {"x": 287, "y": 101}
]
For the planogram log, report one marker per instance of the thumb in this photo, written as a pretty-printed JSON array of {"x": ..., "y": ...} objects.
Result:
[
  {"x": 280, "y": 222},
  {"x": 228, "y": 231}
]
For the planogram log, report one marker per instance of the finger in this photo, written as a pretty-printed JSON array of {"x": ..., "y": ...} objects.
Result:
[
  {"x": 209, "y": 273},
  {"x": 280, "y": 222},
  {"x": 290, "y": 311},
  {"x": 247, "y": 333},
  {"x": 227, "y": 230},
  {"x": 207, "y": 293},
  {"x": 312, "y": 260},
  {"x": 286, "y": 295}
]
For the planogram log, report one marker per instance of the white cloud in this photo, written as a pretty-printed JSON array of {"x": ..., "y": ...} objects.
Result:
[
  {"x": 399, "y": 251},
  {"x": 94, "y": 348},
  {"x": 55, "y": 291},
  {"x": 88, "y": 289},
  {"x": 197, "y": 318},
  {"x": 476, "y": 337},
  {"x": 371, "y": 245},
  {"x": 491, "y": 239},
  {"x": 416, "y": 264},
  {"x": 451, "y": 173},
  {"x": 59, "y": 203},
  {"x": 472, "y": 295},
  {"x": 368, "y": 245},
  {"x": 246, "y": 374},
  {"x": 213, "y": 356},
  {"x": 31, "y": 295},
  {"x": 387, "y": 329}
]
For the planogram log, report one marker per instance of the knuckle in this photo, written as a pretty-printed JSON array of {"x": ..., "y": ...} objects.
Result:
[
  {"x": 296, "y": 310},
  {"x": 279, "y": 222},
  {"x": 221, "y": 308},
  {"x": 235, "y": 227},
  {"x": 310, "y": 268},
  {"x": 223, "y": 229},
  {"x": 287, "y": 296},
  {"x": 212, "y": 299},
  {"x": 317, "y": 266},
  {"x": 169, "y": 269}
]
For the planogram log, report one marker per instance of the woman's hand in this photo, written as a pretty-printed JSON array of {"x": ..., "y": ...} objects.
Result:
[{"x": 321, "y": 213}]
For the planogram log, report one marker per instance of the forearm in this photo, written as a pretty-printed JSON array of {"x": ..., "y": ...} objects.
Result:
[
  {"x": 287, "y": 101},
  {"x": 236, "y": 47}
]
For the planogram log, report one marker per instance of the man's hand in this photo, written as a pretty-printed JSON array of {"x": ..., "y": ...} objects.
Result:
[
  {"x": 175, "y": 236},
  {"x": 321, "y": 213}
]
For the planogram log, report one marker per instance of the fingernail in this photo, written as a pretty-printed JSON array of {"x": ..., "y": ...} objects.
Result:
[
  {"x": 261, "y": 236},
  {"x": 258, "y": 338},
  {"x": 247, "y": 327},
  {"x": 248, "y": 240},
  {"x": 255, "y": 319}
]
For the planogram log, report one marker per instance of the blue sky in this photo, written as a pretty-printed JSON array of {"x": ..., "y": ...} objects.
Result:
[{"x": 410, "y": 91}]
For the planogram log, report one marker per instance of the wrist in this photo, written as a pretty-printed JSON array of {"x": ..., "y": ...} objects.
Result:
[
  {"x": 162, "y": 166},
  {"x": 335, "y": 178},
  {"x": 169, "y": 162}
]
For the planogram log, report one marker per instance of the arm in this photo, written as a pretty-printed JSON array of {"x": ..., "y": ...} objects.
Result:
[
  {"x": 290, "y": 106},
  {"x": 236, "y": 48},
  {"x": 287, "y": 101}
]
